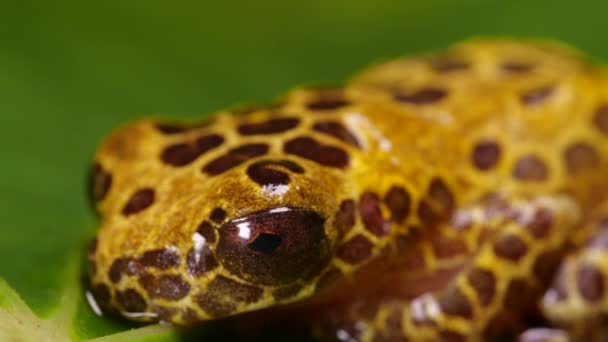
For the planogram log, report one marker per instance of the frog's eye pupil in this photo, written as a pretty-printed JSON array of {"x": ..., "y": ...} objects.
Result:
[{"x": 265, "y": 243}]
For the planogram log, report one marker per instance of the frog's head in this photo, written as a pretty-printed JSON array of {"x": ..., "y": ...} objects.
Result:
[{"x": 221, "y": 236}]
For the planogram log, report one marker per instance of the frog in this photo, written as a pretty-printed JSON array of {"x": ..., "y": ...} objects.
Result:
[{"x": 456, "y": 195}]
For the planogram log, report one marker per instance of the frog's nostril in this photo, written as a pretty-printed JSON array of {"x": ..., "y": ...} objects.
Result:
[{"x": 265, "y": 243}]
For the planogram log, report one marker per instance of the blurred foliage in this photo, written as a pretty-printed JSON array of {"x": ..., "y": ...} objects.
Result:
[{"x": 72, "y": 71}]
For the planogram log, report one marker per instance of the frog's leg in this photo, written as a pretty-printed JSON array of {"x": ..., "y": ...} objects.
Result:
[
  {"x": 577, "y": 300},
  {"x": 515, "y": 247}
]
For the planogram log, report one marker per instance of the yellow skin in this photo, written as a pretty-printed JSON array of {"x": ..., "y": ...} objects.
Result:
[{"x": 431, "y": 198}]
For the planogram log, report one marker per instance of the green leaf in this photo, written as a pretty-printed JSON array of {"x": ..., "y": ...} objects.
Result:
[{"x": 70, "y": 71}]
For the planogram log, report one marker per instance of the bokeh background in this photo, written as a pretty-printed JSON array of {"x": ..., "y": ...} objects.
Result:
[{"x": 72, "y": 71}]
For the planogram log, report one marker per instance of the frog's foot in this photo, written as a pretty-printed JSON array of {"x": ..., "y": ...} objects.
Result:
[
  {"x": 512, "y": 251},
  {"x": 577, "y": 300}
]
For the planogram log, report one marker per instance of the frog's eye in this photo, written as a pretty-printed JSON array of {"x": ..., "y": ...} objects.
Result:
[{"x": 274, "y": 247}]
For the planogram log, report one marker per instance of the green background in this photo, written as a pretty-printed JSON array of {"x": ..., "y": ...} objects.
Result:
[{"x": 72, "y": 71}]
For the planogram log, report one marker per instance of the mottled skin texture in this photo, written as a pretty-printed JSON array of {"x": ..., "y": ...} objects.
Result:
[{"x": 431, "y": 198}]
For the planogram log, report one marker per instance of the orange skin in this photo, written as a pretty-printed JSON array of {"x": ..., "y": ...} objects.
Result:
[{"x": 430, "y": 198}]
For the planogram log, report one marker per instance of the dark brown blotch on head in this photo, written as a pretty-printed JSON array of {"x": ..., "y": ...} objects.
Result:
[
  {"x": 309, "y": 148},
  {"x": 286, "y": 292},
  {"x": 530, "y": 168},
  {"x": 218, "y": 215},
  {"x": 441, "y": 194},
  {"x": 200, "y": 260},
  {"x": 235, "y": 157},
  {"x": 446, "y": 247},
  {"x": 140, "y": 200},
  {"x": 546, "y": 264},
  {"x": 516, "y": 67},
  {"x": 426, "y": 214},
  {"x": 327, "y": 100},
  {"x": 486, "y": 154},
  {"x": 520, "y": 295},
  {"x": 336, "y": 130},
  {"x": 600, "y": 119},
  {"x": 537, "y": 96},
  {"x": 422, "y": 97},
  {"x": 100, "y": 181},
  {"x": 237, "y": 292},
  {"x": 101, "y": 292},
  {"x": 510, "y": 247},
  {"x": 160, "y": 258},
  {"x": 131, "y": 300},
  {"x": 484, "y": 283},
  {"x": 398, "y": 202},
  {"x": 355, "y": 250},
  {"x": 117, "y": 268},
  {"x": 371, "y": 214},
  {"x": 541, "y": 223},
  {"x": 453, "y": 302},
  {"x": 266, "y": 172},
  {"x": 344, "y": 220},
  {"x": 184, "y": 153},
  {"x": 170, "y": 128},
  {"x": 167, "y": 286},
  {"x": 213, "y": 305},
  {"x": 207, "y": 231},
  {"x": 590, "y": 282},
  {"x": 581, "y": 156},
  {"x": 272, "y": 126}
]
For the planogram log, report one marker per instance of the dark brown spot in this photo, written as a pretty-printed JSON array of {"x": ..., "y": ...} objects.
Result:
[
  {"x": 426, "y": 214},
  {"x": 235, "y": 157},
  {"x": 510, "y": 247},
  {"x": 184, "y": 153},
  {"x": 328, "y": 279},
  {"x": 355, "y": 250},
  {"x": 422, "y": 97},
  {"x": 540, "y": 225},
  {"x": 486, "y": 154},
  {"x": 336, "y": 130},
  {"x": 449, "y": 65},
  {"x": 530, "y": 168},
  {"x": 581, "y": 156},
  {"x": 590, "y": 282},
  {"x": 170, "y": 128},
  {"x": 207, "y": 231},
  {"x": 200, "y": 260},
  {"x": 519, "y": 296},
  {"x": 445, "y": 247},
  {"x": 218, "y": 215},
  {"x": 344, "y": 220},
  {"x": 117, "y": 268},
  {"x": 453, "y": 302},
  {"x": 440, "y": 193},
  {"x": 308, "y": 148},
  {"x": 101, "y": 293},
  {"x": 537, "y": 95},
  {"x": 286, "y": 292},
  {"x": 451, "y": 336},
  {"x": 271, "y": 126},
  {"x": 600, "y": 119},
  {"x": 371, "y": 215},
  {"x": 168, "y": 286},
  {"x": 240, "y": 293},
  {"x": 100, "y": 182},
  {"x": 543, "y": 335},
  {"x": 160, "y": 258},
  {"x": 546, "y": 265},
  {"x": 398, "y": 202},
  {"x": 484, "y": 283},
  {"x": 516, "y": 67},
  {"x": 265, "y": 172},
  {"x": 139, "y": 201},
  {"x": 214, "y": 306},
  {"x": 328, "y": 99},
  {"x": 165, "y": 314},
  {"x": 131, "y": 300}
]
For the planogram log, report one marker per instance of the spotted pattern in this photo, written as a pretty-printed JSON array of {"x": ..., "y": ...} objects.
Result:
[{"x": 448, "y": 197}]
